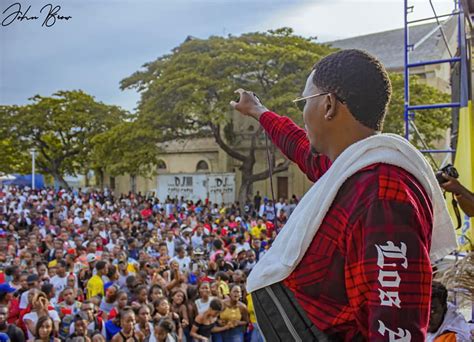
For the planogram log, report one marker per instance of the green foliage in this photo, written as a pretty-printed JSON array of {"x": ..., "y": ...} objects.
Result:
[
  {"x": 126, "y": 148},
  {"x": 185, "y": 90},
  {"x": 12, "y": 158},
  {"x": 431, "y": 124},
  {"x": 60, "y": 128}
]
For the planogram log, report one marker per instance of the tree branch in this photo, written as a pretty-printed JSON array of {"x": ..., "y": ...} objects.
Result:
[
  {"x": 265, "y": 174},
  {"x": 227, "y": 149}
]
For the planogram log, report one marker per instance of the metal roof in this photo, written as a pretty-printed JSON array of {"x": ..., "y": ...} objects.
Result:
[{"x": 388, "y": 45}]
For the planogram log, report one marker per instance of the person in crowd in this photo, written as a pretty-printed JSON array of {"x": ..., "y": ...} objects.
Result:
[
  {"x": 222, "y": 281},
  {"x": 162, "y": 310},
  {"x": 234, "y": 317},
  {"x": 95, "y": 285},
  {"x": 446, "y": 324},
  {"x": 115, "y": 260},
  {"x": 155, "y": 292},
  {"x": 40, "y": 308},
  {"x": 179, "y": 307},
  {"x": 109, "y": 301},
  {"x": 33, "y": 282},
  {"x": 206, "y": 323},
  {"x": 121, "y": 302},
  {"x": 96, "y": 323},
  {"x": 11, "y": 330},
  {"x": 144, "y": 325},
  {"x": 67, "y": 309},
  {"x": 165, "y": 331},
  {"x": 12, "y": 304},
  {"x": 128, "y": 331},
  {"x": 45, "y": 330},
  {"x": 82, "y": 331},
  {"x": 205, "y": 298},
  {"x": 141, "y": 295}
]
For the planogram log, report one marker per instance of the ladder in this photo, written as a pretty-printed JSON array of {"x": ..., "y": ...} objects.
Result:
[{"x": 409, "y": 109}]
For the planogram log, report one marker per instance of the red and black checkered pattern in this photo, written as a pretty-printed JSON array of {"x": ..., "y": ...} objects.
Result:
[{"x": 337, "y": 281}]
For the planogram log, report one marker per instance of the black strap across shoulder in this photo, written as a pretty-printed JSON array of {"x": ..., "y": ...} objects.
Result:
[{"x": 281, "y": 318}]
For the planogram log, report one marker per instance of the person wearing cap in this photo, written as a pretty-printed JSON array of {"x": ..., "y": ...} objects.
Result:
[
  {"x": 10, "y": 330},
  {"x": 184, "y": 239},
  {"x": 6, "y": 299},
  {"x": 198, "y": 264},
  {"x": 91, "y": 259}
]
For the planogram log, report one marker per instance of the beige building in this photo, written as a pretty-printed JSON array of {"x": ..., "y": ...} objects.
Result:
[{"x": 204, "y": 155}]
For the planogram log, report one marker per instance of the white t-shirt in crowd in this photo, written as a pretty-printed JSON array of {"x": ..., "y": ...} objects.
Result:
[
  {"x": 33, "y": 316},
  {"x": 184, "y": 263},
  {"x": 24, "y": 300},
  {"x": 203, "y": 306},
  {"x": 59, "y": 284}
]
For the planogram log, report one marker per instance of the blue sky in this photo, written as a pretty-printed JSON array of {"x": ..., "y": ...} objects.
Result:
[{"x": 107, "y": 40}]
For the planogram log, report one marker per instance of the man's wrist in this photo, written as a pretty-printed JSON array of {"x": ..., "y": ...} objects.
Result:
[{"x": 257, "y": 113}]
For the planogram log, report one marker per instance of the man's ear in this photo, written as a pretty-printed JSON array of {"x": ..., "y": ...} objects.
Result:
[{"x": 330, "y": 106}]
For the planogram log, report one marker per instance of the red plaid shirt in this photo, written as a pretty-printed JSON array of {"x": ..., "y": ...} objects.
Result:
[{"x": 367, "y": 271}]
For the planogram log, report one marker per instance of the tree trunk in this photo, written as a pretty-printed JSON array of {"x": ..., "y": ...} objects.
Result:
[
  {"x": 101, "y": 178},
  {"x": 86, "y": 179},
  {"x": 244, "y": 191},
  {"x": 246, "y": 184},
  {"x": 59, "y": 179},
  {"x": 248, "y": 161}
]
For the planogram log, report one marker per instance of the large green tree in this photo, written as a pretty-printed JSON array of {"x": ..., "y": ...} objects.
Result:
[
  {"x": 187, "y": 93},
  {"x": 125, "y": 148},
  {"x": 60, "y": 128},
  {"x": 431, "y": 124}
]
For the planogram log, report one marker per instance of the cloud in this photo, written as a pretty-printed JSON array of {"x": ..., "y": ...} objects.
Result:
[{"x": 108, "y": 40}]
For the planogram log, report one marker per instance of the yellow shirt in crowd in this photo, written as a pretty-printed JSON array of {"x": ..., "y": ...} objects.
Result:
[
  {"x": 253, "y": 318},
  {"x": 256, "y": 231},
  {"x": 95, "y": 286},
  {"x": 223, "y": 288}
]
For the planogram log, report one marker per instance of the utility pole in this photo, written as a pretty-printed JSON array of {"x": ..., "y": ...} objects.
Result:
[{"x": 33, "y": 155}]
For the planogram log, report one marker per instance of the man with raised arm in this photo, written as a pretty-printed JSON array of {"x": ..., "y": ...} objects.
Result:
[{"x": 353, "y": 261}]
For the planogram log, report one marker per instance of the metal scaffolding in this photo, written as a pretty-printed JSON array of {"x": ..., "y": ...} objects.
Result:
[{"x": 459, "y": 57}]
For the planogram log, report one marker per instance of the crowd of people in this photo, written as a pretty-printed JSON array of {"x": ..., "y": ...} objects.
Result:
[{"x": 88, "y": 266}]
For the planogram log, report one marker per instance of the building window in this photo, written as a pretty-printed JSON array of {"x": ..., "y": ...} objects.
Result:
[
  {"x": 202, "y": 166},
  {"x": 161, "y": 165},
  {"x": 112, "y": 183}
]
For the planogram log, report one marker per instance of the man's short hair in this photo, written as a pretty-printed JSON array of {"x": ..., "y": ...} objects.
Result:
[
  {"x": 100, "y": 265},
  {"x": 358, "y": 79},
  {"x": 439, "y": 291}
]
